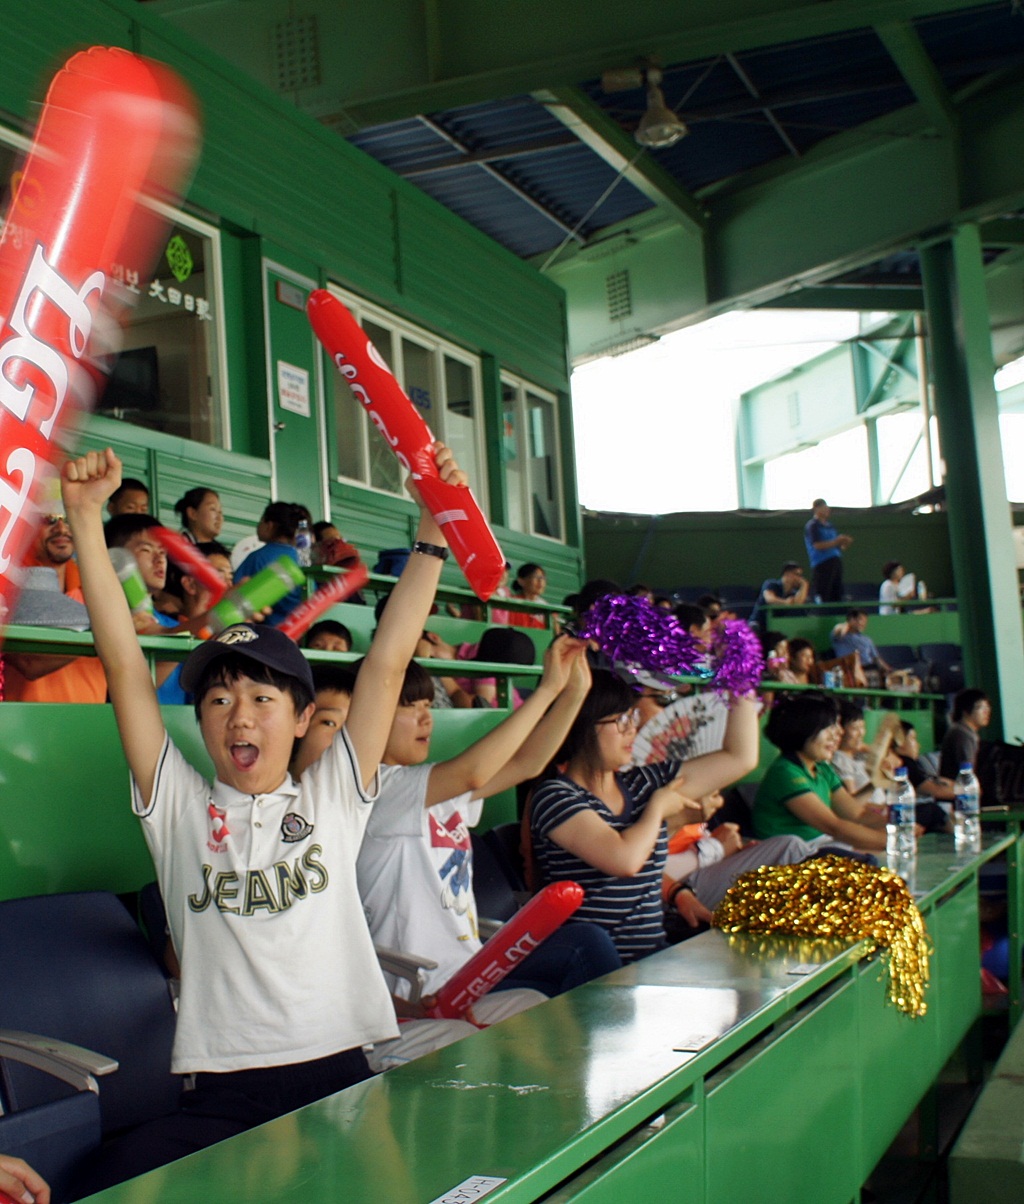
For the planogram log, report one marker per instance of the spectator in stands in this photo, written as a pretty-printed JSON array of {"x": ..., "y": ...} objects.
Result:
[
  {"x": 789, "y": 588},
  {"x": 593, "y": 824},
  {"x": 30, "y": 677},
  {"x": 850, "y": 637},
  {"x": 417, "y": 844},
  {"x": 775, "y": 646},
  {"x": 290, "y": 988},
  {"x": 529, "y": 585},
  {"x": 329, "y": 548},
  {"x": 702, "y": 865},
  {"x": 640, "y": 590},
  {"x": 825, "y": 547},
  {"x": 135, "y": 533},
  {"x": 663, "y": 602},
  {"x": 217, "y": 554},
  {"x": 803, "y": 663},
  {"x": 329, "y": 636},
  {"x": 714, "y": 608},
  {"x": 801, "y": 792},
  {"x": 201, "y": 514},
  {"x": 889, "y": 595},
  {"x": 19, "y": 1181},
  {"x": 694, "y": 619},
  {"x": 922, "y": 777},
  {"x": 131, "y": 498},
  {"x": 971, "y": 712},
  {"x": 194, "y": 599},
  {"x": 502, "y": 646},
  {"x": 277, "y": 530},
  {"x": 854, "y": 760}
]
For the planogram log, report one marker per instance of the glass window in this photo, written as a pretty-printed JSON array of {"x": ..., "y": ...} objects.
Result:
[
  {"x": 511, "y": 456},
  {"x": 168, "y": 375},
  {"x": 460, "y": 417},
  {"x": 545, "y": 488},
  {"x": 443, "y": 384},
  {"x": 531, "y": 459}
]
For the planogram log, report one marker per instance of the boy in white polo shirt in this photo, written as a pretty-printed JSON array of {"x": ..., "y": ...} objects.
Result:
[{"x": 280, "y": 989}]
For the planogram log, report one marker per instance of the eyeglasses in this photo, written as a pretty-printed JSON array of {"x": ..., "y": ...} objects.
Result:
[
  {"x": 51, "y": 520},
  {"x": 624, "y": 721}
]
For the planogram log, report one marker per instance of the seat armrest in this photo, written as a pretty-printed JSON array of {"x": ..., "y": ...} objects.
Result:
[
  {"x": 71, "y": 1064},
  {"x": 405, "y": 965},
  {"x": 487, "y": 927}
]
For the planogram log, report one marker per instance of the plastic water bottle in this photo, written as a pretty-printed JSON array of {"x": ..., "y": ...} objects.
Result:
[
  {"x": 900, "y": 836},
  {"x": 304, "y": 544},
  {"x": 966, "y": 806}
]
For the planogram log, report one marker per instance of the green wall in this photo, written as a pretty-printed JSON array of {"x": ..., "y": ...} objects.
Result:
[
  {"x": 279, "y": 185},
  {"x": 746, "y": 546}
]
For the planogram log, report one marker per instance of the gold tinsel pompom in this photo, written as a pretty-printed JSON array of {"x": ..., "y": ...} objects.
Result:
[{"x": 838, "y": 897}]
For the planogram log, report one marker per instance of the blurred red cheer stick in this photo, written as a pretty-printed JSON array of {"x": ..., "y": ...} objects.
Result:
[
  {"x": 393, "y": 414},
  {"x": 192, "y": 562},
  {"x": 116, "y": 132},
  {"x": 298, "y": 621},
  {"x": 515, "y": 940}
]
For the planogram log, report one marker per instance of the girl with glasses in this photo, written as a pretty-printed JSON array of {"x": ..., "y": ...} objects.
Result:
[{"x": 600, "y": 822}]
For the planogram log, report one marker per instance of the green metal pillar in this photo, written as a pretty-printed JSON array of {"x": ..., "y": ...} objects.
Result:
[{"x": 984, "y": 564}]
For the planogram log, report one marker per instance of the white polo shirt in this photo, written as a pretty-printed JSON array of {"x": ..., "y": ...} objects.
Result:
[{"x": 260, "y": 890}]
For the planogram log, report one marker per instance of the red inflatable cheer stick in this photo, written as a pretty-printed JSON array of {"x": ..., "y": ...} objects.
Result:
[
  {"x": 192, "y": 562},
  {"x": 306, "y": 613},
  {"x": 116, "y": 131},
  {"x": 514, "y": 941},
  {"x": 409, "y": 437}
]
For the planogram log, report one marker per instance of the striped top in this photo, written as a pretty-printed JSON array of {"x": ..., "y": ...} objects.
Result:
[{"x": 628, "y": 908}]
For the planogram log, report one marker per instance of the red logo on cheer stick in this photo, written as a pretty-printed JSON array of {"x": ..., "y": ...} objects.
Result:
[{"x": 404, "y": 431}]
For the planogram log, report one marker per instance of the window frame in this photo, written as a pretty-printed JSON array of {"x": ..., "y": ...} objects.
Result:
[
  {"x": 522, "y": 388},
  {"x": 439, "y": 348}
]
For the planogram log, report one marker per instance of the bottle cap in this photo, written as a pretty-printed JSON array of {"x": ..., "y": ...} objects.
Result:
[{"x": 966, "y": 767}]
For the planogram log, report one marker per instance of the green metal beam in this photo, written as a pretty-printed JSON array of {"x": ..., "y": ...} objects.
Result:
[
  {"x": 866, "y": 193},
  {"x": 1003, "y": 232},
  {"x": 593, "y": 126},
  {"x": 981, "y": 541},
  {"x": 905, "y": 49},
  {"x": 838, "y": 296},
  {"x": 387, "y": 59}
]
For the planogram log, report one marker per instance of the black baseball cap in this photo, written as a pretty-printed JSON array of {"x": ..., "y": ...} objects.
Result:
[{"x": 256, "y": 641}]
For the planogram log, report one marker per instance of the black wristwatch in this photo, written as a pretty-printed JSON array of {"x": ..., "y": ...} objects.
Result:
[{"x": 430, "y": 549}]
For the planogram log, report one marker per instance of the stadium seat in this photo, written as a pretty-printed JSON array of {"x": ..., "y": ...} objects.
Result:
[
  {"x": 946, "y": 667},
  {"x": 78, "y": 971},
  {"x": 860, "y": 591}
]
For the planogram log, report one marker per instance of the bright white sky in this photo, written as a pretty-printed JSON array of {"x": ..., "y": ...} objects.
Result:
[
  {"x": 655, "y": 429},
  {"x": 655, "y": 432}
]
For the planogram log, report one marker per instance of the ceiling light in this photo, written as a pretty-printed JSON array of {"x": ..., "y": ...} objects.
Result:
[{"x": 659, "y": 127}]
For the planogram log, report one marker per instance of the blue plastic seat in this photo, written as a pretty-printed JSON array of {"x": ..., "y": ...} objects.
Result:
[{"x": 77, "y": 969}]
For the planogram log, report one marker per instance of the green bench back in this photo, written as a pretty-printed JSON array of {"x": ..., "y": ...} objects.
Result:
[{"x": 65, "y": 816}]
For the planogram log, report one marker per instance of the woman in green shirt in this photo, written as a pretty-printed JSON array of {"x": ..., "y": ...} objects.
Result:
[{"x": 801, "y": 794}]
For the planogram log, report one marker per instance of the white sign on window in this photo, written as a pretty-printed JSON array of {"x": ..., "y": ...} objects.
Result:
[{"x": 293, "y": 388}]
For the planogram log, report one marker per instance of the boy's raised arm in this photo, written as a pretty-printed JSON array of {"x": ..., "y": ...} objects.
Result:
[
  {"x": 379, "y": 683},
  {"x": 86, "y": 484}
]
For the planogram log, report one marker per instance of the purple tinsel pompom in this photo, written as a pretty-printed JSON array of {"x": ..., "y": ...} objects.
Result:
[
  {"x": 633, "y": 633},
  {"x": 737, "y": 658}
]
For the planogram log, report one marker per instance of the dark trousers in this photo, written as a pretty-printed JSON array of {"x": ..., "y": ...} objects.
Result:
[
  {"x": 571, "y": 955},
  {"x": 218, "y": 1107},
  {"x": 827, "y": 580}
]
